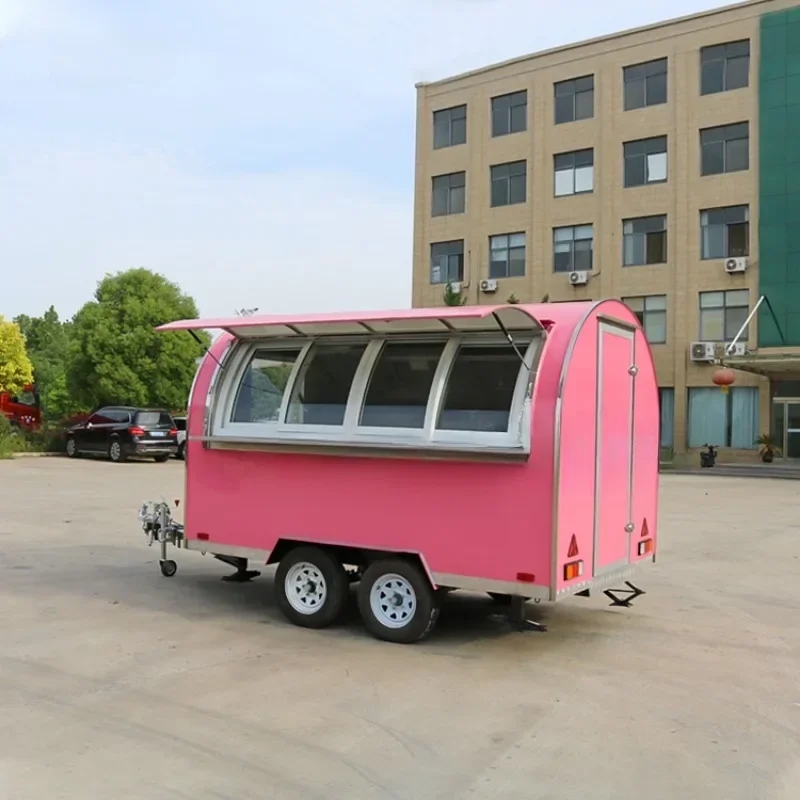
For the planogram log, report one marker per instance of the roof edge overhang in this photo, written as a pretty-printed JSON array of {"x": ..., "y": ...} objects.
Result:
[
  {"x": 448, "y": 319},
  {"x": 769, "y": 365}
]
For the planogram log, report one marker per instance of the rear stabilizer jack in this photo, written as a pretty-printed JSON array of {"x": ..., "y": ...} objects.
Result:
[{"x": 624, "y": 597}]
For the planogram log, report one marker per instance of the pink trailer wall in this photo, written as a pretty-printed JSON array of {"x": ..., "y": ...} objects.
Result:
[{"x": 468, "y": 519}]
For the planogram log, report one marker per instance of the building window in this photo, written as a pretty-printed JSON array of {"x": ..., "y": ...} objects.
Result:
[
  {"x": 645, "y": 161},
  {"x": 449, "y": 127},
  {"x": 573, "y": 248},
  {"x": 725, "y": 149},
  {"x": 645, "y": 84},
  {"x": 447, "y": 261},
  {"x": 724, "y": 67},
  {"x": 651, "y": 312},
  {"x": 448, "y": 194},
  {"x": 666, "y": 405},
  {"x": 507, "y": 255},
  {"x": 574, "y": 99},
  {"x": 722, "y": 314},
  {"x": 508, "y": 183},
  {"x": 724, "y": 420},
  {"x": 510, "y": 113},
  {"x": 725, "y": 232},
  {"x": 574, "y": 172},
  {"x": 644, "y": 241}
]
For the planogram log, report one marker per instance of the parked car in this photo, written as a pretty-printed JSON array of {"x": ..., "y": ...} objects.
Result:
[
  {"x": 180, "y": 424},
  {"x": 119, "y": 432}
]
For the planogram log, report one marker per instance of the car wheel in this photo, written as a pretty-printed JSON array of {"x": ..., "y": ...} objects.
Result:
[
  {"x": 397, "y": 602},
  {"x": 311, "y": 587},
  {"x": 116, "y": 452},
  {"x": 71, "y": 447},
  {"x": 182, "y": 451},
  {"x": 161, "y": 459}
]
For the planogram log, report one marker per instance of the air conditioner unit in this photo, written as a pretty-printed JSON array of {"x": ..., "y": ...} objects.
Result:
[
  {"x": 739, "y": 349},
  {"x": 702, "y": 351},
  {"x": 579, "y": 278},
  {"x": 488, "y": 285},
  {"x": 735, "y": 265}
]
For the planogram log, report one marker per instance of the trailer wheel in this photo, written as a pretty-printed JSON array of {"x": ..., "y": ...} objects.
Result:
[
  {"x": 311, "y": 587},
  {"x": 397, "y": 602}
]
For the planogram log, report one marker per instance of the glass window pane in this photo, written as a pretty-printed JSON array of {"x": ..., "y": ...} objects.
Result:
[
  {"x": 498, "y": 242},
  {"x": 499, "y": 121},
  {"x": 708, "y": 417},
  {"x": 260, "y": 393},
  {"x": 737, "y": 297},
  {"x": 657, "y": 89},
  {"x": 633, "y": 249},
  {"x": 583, "y": 254},
  {"x": 658, "y": 67},
  {"x": 655, "y": 327},
  {"x": 713, "y": 162},
  {"x": 441, "y": 130},
  {"x": 584, "y": 231},
  {"x": 564, "y": 161},
  {"x": 516, "y": 266},
  {"x": 519, "y": 119},
  {"x": 742, "y": 48},
  {"x": 457, "y": 197},
  {"x": 734, "y": 319},
  {"x": 713, "y": 53},
  {"x": 737, "y": 156},
  {"x": 565, "y": 109},
  {"x": 500, "y": 192},
  {"x": 584, "y": 179},
  {"x": 635, "y": 72},
  {"x": 713, "y": 241},
  {"x": 517, "y": 190},
  {"x": 584, "y": 84},
  {"x": 656, "y": 302},
  {"x": 498, "y": 265},
  {"x": 657, "y": 248},
  {"x": 656, "y": 167},
  {"x": 711, "y": 78},
  {"x": 319, "y": 396},
  {"x": 458, "y": 131},
  {"x": 563, "y": 234},
  {"x": 737, "y": 73},
  {"x": 712, "y": 299},
  {"x": 562, "y": 257},
  {"x": 564, "y": 182},
  {"x": 711, "y": 324},
  {"x": 583, "y": 158},
  {"x": 517, "y": 240},
  {"x": 517, "y": 168},
  {"x": 480, "y": 389},
  {"x": 634, "y": 94},
  {"x": 635, "y": 170},
  {"x": 584, "y": 105},
  {"x": 738, "y": 239},
  {"x": 634, "y": 303},
  {"x": 398, "y": 390}
]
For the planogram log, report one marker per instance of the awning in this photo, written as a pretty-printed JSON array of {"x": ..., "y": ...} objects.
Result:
[
  {"x": 771, "y": 365},
  {"x": 419, "y": 320}
]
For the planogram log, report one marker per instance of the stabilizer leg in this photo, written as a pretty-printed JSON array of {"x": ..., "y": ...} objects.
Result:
[{"x": 242, "y": 574}]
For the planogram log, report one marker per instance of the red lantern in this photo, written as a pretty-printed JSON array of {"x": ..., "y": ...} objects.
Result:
[{"x": 724, "y": 378}]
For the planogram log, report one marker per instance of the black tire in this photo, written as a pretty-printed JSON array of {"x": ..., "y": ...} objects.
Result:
[
  {"x": 421, "y": 613},
  {"x": 161, "y": 459},
  {"x": 181, "y": 454},
  {"x": 71, "y": 447},
  {"x": 168, "y": 568},
  {"x": 319, "y": 608},
  {"x": 116, "y": 451}
]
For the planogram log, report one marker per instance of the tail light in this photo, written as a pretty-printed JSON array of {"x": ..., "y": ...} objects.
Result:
[
  {"x": 645, "y": 547},
  {"x": 573, "y": 570},
  {"x": 173, "y": 431},
  {"x": 136, "y": 431}
]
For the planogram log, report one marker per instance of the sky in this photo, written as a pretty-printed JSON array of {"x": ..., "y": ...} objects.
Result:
[{"x": 260, "y": 154}]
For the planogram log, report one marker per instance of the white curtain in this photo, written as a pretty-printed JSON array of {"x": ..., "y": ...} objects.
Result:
[
  {"x": 707, "y": 417},
  {"x": 744, "y": 416},
  {"x": 667, "y": 436}
]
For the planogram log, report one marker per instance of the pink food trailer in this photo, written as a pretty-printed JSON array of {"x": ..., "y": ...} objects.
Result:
[{"x": 508, "y": 449}]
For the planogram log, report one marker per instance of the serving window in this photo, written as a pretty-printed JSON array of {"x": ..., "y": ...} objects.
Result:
[{"x": 462, "y": 392}]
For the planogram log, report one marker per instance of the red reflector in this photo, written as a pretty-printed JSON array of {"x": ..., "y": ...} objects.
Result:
[
  {"x": 645, "y": 529},
  {"x": 203, "y": 536},
  {"x": 136, "y": 431},
  {"x": 573, "y": 547},
  {"x": 526, "y": 577}
]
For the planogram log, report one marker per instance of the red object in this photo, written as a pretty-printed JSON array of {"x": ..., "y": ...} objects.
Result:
[
  {"x": 724, "y": 377},
  {"x": 645, "y": 530},
  {"x": 526, "y": 577},
  {"x": 573, "y": 547},
  {"x": 136, "y": 431},
  {"x": 173, "y": 431},
  {"x": 22, "y": 409}
]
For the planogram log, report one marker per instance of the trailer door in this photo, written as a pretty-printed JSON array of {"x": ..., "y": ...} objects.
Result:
[{"x": 614, "y": 448}]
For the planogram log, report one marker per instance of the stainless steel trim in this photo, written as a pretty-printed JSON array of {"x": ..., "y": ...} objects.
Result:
[
  {"x": 603, "y": 581},
  {"x": 473, "y": 584},
  {"x": 215, "y": 549}
]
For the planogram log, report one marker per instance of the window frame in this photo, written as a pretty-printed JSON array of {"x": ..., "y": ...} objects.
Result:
[
  {"x": 350, "y": 434},
  {"x": 726, "y": 232},
  {"x": 507, "y": 179},
  {"x": 508, "y": 118},
  {"x": 573, "y": 154},
  {"x": 664, "y": 230},
  {"x": 572, "y": 250},
  {"x": 449, "y": 178},
  {"x": 449, "y": 256},
  {"x": 725, "y": 142},
  {"x": 645, "y": 66},
  {"x": 725, "y": 59},
  {"x": 645, "y": 155},
  {"x": 645, "y": 311},
  {"x": 449, "y": 111},
  {"x": 724, "y": 308},
  {"x": 574, "y": 92},
  {"x": 508, "y": 248}
]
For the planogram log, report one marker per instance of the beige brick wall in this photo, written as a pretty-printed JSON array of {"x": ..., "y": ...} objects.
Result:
[{"x": 681, "y": 198}]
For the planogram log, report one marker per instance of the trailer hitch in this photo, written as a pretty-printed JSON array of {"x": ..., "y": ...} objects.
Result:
[{"x": 628, "y": 595}]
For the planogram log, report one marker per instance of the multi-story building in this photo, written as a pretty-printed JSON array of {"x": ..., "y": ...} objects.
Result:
[{"x": 659, "y": 165}]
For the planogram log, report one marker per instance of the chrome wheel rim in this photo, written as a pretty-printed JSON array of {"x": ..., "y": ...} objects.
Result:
[
  {"x": 305, "y": 588},
  {"x": 116, "y": 450},
  {"x": 70, "y": 447},
  {"x": 393, "y": 601}
]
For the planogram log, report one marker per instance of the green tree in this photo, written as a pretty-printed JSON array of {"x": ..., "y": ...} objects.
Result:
[
  {"x": 16, "y": 371},
  {"x": 116, "y": 356},
  {"x": 47, "y": 339},
  {"x": 453, "y": 296}
]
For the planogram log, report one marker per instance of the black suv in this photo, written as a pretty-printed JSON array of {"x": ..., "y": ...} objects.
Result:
[{"x": 119, "y": 432}]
